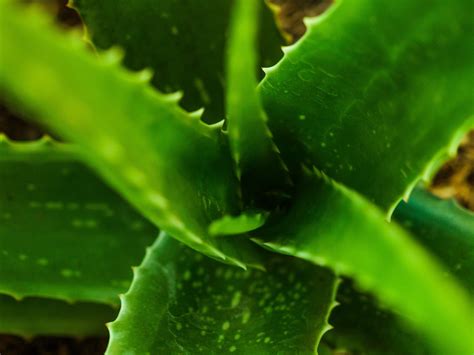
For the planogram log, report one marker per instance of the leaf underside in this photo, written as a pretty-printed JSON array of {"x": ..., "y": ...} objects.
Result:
[
  {"x": 375, "y": 94},
  {"x": 184, "y": 43},
  {"x": 343, "y": 231},
  {"x": 182, "y": 302},
  {"x": 63, "y": 233},
  {"x": 38, "y": 65}
]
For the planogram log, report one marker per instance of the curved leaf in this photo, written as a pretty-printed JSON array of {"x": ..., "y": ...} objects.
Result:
[
  {"x": 126, "y": 131},
  {"x": 375, "y": 93},
  {"x": 343, "y": 231},
  {"x": 63, "y": 233},
  {"x": 40, "y": 316},
  {"x": 180, "y": 302},
  {"x": 183, "y": 42}
]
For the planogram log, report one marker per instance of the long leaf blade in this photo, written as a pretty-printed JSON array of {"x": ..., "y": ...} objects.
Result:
[
  {"x": 262, "y": 172},
  {"x": 375, "y": 93},
  {"x": 139, "y": 140},
  {"x": 347, "y": 233}
]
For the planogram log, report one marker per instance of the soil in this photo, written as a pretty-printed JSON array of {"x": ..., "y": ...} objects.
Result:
[{"x": 454, "y": 180}]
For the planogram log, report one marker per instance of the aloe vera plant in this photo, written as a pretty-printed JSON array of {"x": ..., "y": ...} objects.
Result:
[{"x": 266, "y": 191}]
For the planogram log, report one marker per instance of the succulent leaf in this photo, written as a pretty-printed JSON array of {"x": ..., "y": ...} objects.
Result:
[
  {"x": 333, "y": 226},
  {"x": 180, "y": 302},
  {"x": 41, "y": 316},
  {"x": 243, "y": 223},
  {"x": 361, "y": 325},
  {"x": 375, "y": 94},
  {"x": 64, "y": 234},
  {"x": 139, "y": 140},
  {"x": 184, "y": 43},
  {"x": 259, "y": 166},
  {"x": 444, "y": 228}
]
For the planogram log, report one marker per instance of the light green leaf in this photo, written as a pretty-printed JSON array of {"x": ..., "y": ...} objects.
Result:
[
  {"x": 243, "y": 223},
  {"x": 40, "y": 316},
  {"x": 183, "y": 42},
  {"x": 445, "y": 228},
  {"x": 182, "y": 302},
  {"x": 375, "y": 93},
  {"x": 259, "y": 166},
  {"x": 139, "y": 140},
  {"x": 333, "y": 226},
  {"x": 63, "y": 233}
]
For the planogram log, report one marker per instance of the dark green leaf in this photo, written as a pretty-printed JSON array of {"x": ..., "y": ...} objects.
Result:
[
  {"x": 63, "y": 233},
  {"x": 445, "y": 228},
  {"x": 363, "y": 327},
  {"x": 39, "y": 316},
  {"x": 182, "y": 41}
]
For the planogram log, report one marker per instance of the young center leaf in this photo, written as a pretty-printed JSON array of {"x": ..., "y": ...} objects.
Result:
[{"x": 263, "y": 174}]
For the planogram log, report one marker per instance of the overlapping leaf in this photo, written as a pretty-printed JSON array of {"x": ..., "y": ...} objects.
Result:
[
  {"x": 174, "y": 169},
  {"x": 183, "y": 42},
  {"x": 259, "y": 166},
  {"x": 375, "y": 93},
  {"x": 364, "y": 327},
  {"x": 180, "y": 302},
  {"x": 39, "y": 316},
  {"x": 63, "y": 233},
  {"x": 445, "y": 228},
  {"x": 343, "y": 231}
]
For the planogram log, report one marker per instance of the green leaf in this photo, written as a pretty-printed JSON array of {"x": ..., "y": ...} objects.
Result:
[
  {"x": 343, "y": 231},
  {"x": 184, "y": 43},
  {"x": 63, "y": 233},
  {"x": 139, "y": 140},
  {"x": 40, "y": 316},
  {"x": 180, "y": 302},
  {"x": 363, "y": 327},
  {"x": 445, "y": 228},
  {"x": 256, "y": 157},
  {"x": 375, "y": 93},
  {"x": 243, "y": 223}
]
